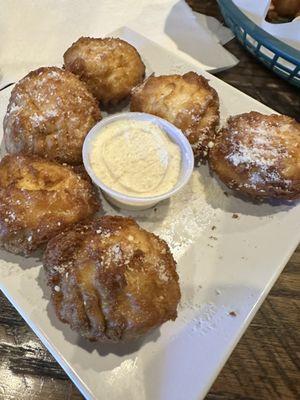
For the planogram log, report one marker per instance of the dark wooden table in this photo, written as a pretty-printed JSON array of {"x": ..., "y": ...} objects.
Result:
[{"x": 264, "y": 365}]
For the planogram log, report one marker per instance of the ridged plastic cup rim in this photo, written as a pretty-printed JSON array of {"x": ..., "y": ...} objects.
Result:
[{"x": 187, "y": 162}]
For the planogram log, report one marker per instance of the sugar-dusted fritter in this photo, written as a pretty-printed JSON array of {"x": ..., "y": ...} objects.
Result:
[
  {"x": 39, "y": 198},
  {"x": 111, "y": 280},
  {"x": 259, "y": 156},
  {"x": 49, "y": 114},
  {"x": 187, "y": 101},
  {"x": 111, "y": 67}
]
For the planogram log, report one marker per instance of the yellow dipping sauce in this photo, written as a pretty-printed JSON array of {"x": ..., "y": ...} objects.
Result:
[{"x": 136, "y": 158}]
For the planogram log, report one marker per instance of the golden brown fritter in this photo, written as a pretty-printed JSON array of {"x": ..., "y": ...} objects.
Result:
[
  {"x": 49, "y": 114},
  {"x": 110, "y": 67},
  {"x": 186, "y": 101},
  {"x": 111, "y": 280},
  {"x": 39, "y": 198},
  {"x": 259, "y": 156}
]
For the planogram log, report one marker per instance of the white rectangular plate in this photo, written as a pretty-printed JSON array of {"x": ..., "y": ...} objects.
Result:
[{"x": 227, "y": 268}]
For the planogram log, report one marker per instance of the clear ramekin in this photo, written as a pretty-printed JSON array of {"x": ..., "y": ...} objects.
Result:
[{"x": 122, "y": 200}]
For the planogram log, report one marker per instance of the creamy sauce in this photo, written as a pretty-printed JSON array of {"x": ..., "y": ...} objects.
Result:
[{"x": 136, "y": 158}]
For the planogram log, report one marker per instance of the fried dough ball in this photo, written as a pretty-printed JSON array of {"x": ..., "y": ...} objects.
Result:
[
  {"x": 286, "y": 8},
  {"x": 49, "y": 114},
  {"x": 39, "y": 198},
  {"x": 283, "y": 10},
  {"x": 259, "y": 156},
  {"x": 111, "y": 280},
  {"x": 110, "y": 67},
  {"x": 186, "y": 101}
]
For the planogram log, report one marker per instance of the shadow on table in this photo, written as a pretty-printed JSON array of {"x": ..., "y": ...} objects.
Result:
[
  {"x": 20, "y": 261},
  {"x": 2, "y": 148}
]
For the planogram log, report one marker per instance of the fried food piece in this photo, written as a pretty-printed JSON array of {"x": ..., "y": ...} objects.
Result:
[
  {"x": 259, "y": 156},
  {"x": 49, "y": 114},
  {"x": 111, "y": 280},
  {"x": 186, "y": 101},
  {"x": 110, "y": 67},
  {"x": 39, "y": 198},
  {"x": 286, "y": 8},
  {"x": 281, "y": 11}
]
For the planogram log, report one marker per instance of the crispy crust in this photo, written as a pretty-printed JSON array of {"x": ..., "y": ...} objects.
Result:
[
  {"x": 49, "y": 114},
  {"x": 39, "y": 198},
  {"x": 111, "y": 280},
  {"x": 259, "y": 156},
  {"x": 187, "y": 101},
  {"x": 110, "y": 67}
]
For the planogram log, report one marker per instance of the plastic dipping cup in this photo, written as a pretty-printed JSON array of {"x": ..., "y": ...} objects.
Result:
[{"x": 122, "y": 200}]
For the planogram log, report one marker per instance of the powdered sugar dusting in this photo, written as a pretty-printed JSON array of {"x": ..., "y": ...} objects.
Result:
[
  {"x": 116, "y": 253},
  {"x": 259, "y": 145},
  {"x": 256, "y": 147},
  {"x": 162, "y": 272},
  {"x": 64, "y": 267},
  {"x": 51, "y": 98},
  {"x": 182, "y": 219},
  {"x": 36, "y": 119},
  {"x": 261, "y": 153}
]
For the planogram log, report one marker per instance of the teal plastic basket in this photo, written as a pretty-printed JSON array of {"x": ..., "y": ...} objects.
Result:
[{"x": 276, "y": 55}]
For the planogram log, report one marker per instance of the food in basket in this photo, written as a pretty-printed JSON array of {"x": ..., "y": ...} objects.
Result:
[
  {"x": 187, "y": 101},
  {"x": 49, "y": 114},
  {"x": 283, "y": 10},
  {"x": 111, "y": 280},
  {"x": 259, "y": 156},
  {"x": 110, "y": 67},
  {"x": 39, "y": 198}
]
